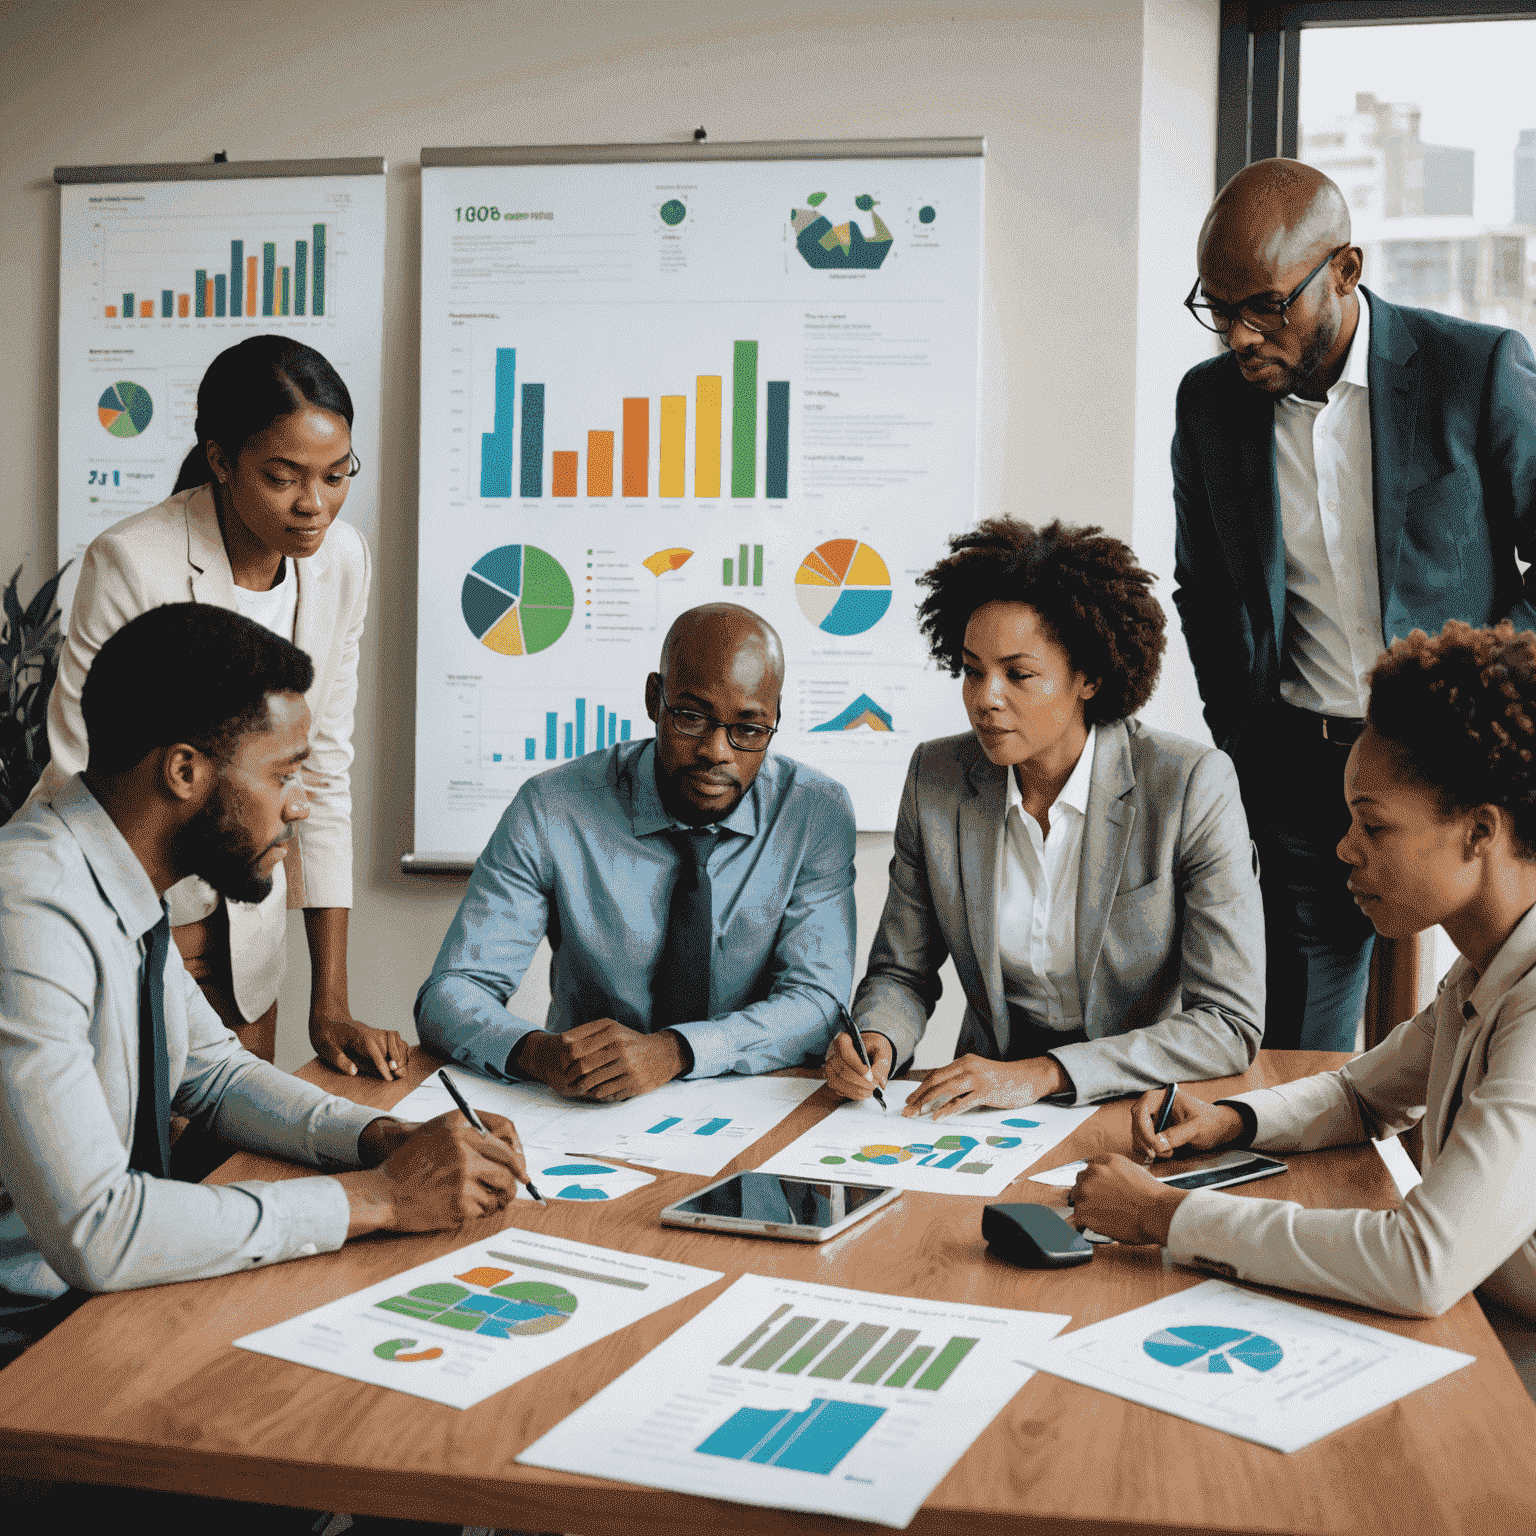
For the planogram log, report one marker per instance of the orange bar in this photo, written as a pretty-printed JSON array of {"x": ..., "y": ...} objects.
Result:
[
  {"x": 563, "y": 475},
  {"x": 111, "y": 311},
  {"x": 183, "y": 305},
  {"x": 637, "y": 447},
  {"x": 599, "y": 463},
  {"x": 208, "y": 298},
  {"x": 146, "y": 309},
  {"x": 252, "y": 301}
]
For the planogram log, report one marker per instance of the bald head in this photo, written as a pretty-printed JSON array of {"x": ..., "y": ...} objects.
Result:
[
  {"x": 1277, "y": 213},
  {"x": 728, "y": 639}
]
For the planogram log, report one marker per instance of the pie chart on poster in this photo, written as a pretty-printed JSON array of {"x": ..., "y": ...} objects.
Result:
[
  {"x": 517, "y": 600},
  {"x": 125, "y": 409},
  {"x": 843, "y": 587}
]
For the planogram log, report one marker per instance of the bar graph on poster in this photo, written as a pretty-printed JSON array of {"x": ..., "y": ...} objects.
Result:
[
  {"x": 651, "y": 385},
  {"x": 158, "y": 277}
]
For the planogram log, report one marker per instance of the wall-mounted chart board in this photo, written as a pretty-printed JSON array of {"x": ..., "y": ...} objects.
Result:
[
  {"x": 164, "y": 266},
  {"x": 660, "y": 375}
]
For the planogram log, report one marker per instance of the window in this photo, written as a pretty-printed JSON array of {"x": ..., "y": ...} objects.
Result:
[{"x": 1424, "y": 115}]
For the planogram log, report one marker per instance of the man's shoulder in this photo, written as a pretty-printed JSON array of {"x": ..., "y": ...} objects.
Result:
[
  {"x": 39, "y": 859},
  {"x": 1437, "y": 335},
  {"x": 572, "y": 785},
  {"x": 1209, "y": 381},
  {"x": 790, "y": 787}
]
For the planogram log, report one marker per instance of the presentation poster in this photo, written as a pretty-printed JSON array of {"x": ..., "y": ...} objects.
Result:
[
  {"x": 158, "y": 277},
  {"x": 649, "y": 386}
]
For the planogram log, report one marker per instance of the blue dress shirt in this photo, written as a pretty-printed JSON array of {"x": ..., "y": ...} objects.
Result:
[{"x": 580, "y": 854}]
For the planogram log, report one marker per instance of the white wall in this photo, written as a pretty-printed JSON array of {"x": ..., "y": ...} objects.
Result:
[{"x": 1057, "y": 89}]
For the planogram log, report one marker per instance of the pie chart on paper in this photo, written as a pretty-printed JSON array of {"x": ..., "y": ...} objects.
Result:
[
  {"x": 125, "y": 409},
  {"x": 843, "y": 587},
  {"x": 517, "y": 600}
]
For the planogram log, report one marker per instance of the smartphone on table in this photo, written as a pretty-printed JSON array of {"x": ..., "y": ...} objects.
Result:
[{"x": 756, "y": 1204}]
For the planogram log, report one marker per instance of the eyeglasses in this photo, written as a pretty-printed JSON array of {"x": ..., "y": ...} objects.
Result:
[
  {"x": 1261, "y": 315},
  {"x": 742, "y": 736}
]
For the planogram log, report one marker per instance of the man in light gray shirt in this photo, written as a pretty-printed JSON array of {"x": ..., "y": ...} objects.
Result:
[{"x": 197, "y": 727}]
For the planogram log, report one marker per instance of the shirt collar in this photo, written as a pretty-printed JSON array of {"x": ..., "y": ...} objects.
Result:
[
  {"x": 1356, "y": 365},
  {"x": 649, "y": 816},
  {"x": 1515, "y": 956},
  {"x": 119, "y": 874},
  {"x": 1074, "y": 793}
]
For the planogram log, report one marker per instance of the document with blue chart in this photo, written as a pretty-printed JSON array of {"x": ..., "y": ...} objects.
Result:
[
  {"x": 684, "y": 1127},
  {"x": 979, "y": 1152},
  {"x": 1255, "y": 1366},
  {"x": 806, "y": 1397},
  {"x": 459, "y": 1328}
]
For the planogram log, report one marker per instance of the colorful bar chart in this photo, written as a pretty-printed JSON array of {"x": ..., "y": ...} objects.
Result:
[
  {"x": 814, "y": 1440},
  {"x": 608, "y": 728},
  {"x": 285, "y": 289},
  {"x": 634, "y": 440},
  {"x": 839, "y": 1355},
  {"x": 733, "y": 572}
]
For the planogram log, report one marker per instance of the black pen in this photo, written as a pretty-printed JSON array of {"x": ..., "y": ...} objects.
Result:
[
  {"x": 858, "y": 1045},
  {"x": 1170, "y": 1093},
  {"x": 474, "y": 1120}
]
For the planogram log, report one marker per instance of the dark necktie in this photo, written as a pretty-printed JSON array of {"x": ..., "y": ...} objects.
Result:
[
  {"x": 680, "y": 992},
  {"x": 152, "y": 1122}
]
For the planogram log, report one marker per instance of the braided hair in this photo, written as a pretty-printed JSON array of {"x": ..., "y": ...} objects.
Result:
[
  {"x": 1460, "y": 710},
  {"x": 1090, "y": 593}
]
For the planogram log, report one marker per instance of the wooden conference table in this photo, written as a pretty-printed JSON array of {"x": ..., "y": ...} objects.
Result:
[{"x": 144, "y": 1388}]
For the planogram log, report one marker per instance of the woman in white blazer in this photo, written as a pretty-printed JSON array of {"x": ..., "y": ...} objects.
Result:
[
  {"x": 1091, "y": 878},
  {"x": 1442, "y": 795},
  {"x": 251, "y": 526}
]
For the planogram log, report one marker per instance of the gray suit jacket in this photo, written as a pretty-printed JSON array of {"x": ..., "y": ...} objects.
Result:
[{"x": 1170, "y": 928}]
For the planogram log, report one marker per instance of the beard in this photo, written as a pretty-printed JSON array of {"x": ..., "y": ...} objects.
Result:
[
  {"x": 215, "y": 846},
  {"x": 675, "y": 800},
  {"x": 1288, "y": 380}
]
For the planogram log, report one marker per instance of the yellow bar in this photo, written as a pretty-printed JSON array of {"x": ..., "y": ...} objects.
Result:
[
  {"x": 674, "y": 422},
  {"x": 706, "y": 441}
]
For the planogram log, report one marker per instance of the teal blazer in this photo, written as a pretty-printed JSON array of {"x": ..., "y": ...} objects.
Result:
[{"x": 1453, "y": 476}]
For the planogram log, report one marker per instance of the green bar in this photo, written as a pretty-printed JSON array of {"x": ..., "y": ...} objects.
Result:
[
  {"x": 728, "y": 569},
  {"x": 744, "y": 421},
  {"x": 757, "y": 565},
  {"x": 741, "y": 567},
  {"x": 908, "y": 1367},
  {"x": 318, "y": 290},
  {"x": 734, "y": 1355},
  {"x": 780, "y": 1344},
  {"x": 944, "y": 1364},
  {"x": 803, "y": 1356},
  {"x": 283, "y": 273},
  {"x": 849, "y": 1352},
  {"x": 885, "y": 1357}
]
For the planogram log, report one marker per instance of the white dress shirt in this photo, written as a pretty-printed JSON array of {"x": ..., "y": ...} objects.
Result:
[
  {"x": 1332, "y": 596},
  {"x": 1037, "y": 901}
]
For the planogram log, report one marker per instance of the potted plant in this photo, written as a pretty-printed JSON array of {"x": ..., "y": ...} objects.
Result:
[{"x": 30, "y": 641}]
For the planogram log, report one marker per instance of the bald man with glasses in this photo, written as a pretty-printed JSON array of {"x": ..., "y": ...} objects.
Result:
[
  {"x": 696, "y": 889},
  {"x": 1347, "y": 471}
]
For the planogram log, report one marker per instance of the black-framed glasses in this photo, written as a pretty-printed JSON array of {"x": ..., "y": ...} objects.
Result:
[
  {"x": 742, "y": 735},
  {"x": 1258, "y": 314}
]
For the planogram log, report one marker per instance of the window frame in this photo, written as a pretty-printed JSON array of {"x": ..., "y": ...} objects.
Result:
[{"x": 1258, "y": 75}]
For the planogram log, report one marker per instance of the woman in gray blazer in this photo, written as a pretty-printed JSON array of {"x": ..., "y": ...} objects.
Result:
[
  {"x": 1093, "y": 879},
  {"x": 1442, "y": 796}
]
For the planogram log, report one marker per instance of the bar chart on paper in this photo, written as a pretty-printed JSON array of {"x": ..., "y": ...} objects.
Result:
[{"x": 801, "y": 1396}]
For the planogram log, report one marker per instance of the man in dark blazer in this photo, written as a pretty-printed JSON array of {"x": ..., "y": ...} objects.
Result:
[{"x": 1346, "y": 471}]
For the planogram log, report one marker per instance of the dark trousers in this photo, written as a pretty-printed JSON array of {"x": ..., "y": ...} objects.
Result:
[
  {"x": 1026, "y": 1039},
  {"x": 1318, "y": 942}
]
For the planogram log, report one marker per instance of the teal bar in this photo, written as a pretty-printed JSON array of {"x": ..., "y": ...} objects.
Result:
[
  {"x": 318, "y": 307},
  {"x": 300, "y": 273}
]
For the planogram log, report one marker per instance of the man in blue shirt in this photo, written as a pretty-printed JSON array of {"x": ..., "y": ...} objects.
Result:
[{"x": 606, "y": 853}]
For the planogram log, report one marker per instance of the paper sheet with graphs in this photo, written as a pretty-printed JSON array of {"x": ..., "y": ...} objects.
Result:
[
  {"x": 684, "y": 1127},
  {"x": 806, "y": 1397}
]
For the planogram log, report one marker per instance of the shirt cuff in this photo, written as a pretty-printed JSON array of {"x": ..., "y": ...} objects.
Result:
[
  {"x": 335, "y": 1131},
  {"x": 1196, "y": 1234},
  {"x": 1250, "y": 1122},
  {"x": 315, "y": 1213},
  {"x": 711, "y": 1047}
]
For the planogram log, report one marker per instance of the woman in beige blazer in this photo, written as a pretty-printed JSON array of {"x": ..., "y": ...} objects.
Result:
[
  {"x": 251, "y": 526},
  {"x": 1092, "y": 878},
  {"x": 1442, "y": 794}
]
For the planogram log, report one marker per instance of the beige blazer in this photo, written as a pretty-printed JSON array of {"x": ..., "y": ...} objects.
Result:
[
  {"x": 174, "y": 553},
  {"x": 1466, "y": 1067},
  {"x": 1170, "y": 928}
]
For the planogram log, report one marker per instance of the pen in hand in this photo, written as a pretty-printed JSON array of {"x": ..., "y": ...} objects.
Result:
[
  {"x": 858, "y": 1045},
  {"x": 474, "y": 1120},
  {"x": 1170, "y": 1093}
]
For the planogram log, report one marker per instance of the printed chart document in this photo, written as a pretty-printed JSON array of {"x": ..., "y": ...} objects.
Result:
[
  {"x": 806, "y": 1397},
  {"x": 462, "y": 1327},
  {"x": 978, "y": 1153},
  {"x": 568, "y": 1176},
  {"x": 689, "y": 1127},
  {"x": 1258, "y": 1368}
]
